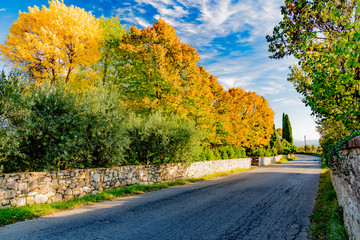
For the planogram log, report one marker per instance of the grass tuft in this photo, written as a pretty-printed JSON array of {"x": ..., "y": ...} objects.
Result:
[{"x": 15, "y": 214}]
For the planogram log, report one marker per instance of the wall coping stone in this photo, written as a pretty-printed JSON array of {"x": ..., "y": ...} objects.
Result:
[{"x": 352, "y": 143}]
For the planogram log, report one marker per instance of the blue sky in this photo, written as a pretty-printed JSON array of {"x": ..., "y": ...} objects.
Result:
[{"x": 229, "y": 36}]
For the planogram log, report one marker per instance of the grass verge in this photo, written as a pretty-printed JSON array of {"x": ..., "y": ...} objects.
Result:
[
  {"x": 327, "y": 217},
  {"x": 14, "y": 214},
  {"x": 284, "y": 159},
  {"x": 292, "y": 158}
]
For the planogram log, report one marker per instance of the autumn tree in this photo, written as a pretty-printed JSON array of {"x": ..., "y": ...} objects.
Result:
[
  {"x": 158, "y": 71},
  {"x": 156, "y": 68},
  {"x": 109, "y": 63},
  {"x": 248, "y": 119},
  {"x": 198, "y": 104},
  {"x": 53, "y": 42}
]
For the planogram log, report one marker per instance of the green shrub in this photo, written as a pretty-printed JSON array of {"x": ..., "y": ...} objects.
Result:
[
  {"x": 319, "y": 150},
  {"x": 301, "y": 149},
  {"x": 51, "y": 128},
  {"x": 230, "y": 152},
  {"x": 224, "y": 155},
  {"x": 207, "y": 154},
  {"x": 279, "y": 146},
  {"x": 264, "y": 152},
  {"x": 156, "y": 140},
  {"x": 105, "y": 138},
  {"x": 275, "y": 152},
  {"x": 217, "y": 154},
  {"x": 239, "y": 152},
  {"x": 223, "y": 152},
  {"x": 288, "y": 147}
]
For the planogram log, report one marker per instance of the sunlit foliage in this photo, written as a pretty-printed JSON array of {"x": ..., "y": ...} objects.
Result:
[
  {"x": 324, "y": 36},
  {"x": 247, "y": 116},
  {"x": 53, "y": 42}
]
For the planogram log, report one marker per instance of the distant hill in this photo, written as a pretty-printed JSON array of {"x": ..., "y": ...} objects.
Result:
[{"x": 308, "y": 142}]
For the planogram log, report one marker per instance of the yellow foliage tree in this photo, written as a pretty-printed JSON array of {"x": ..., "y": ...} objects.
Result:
[
  {"x": 248, "y": 118},
  {"x": 156, "y": 68},
  {"x": 160, "y": 72},
  {"x": 198, "y": 102},
  {"x": 54, "y": 41}
]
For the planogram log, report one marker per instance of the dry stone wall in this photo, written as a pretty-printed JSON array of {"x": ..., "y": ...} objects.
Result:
[
  {"x": 46, "y": 187},
  {"x": 264, "y": 161},
  {"x": 347, "y": 186}
]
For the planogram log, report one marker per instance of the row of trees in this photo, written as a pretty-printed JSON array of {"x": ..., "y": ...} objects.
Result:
[
  {"x": 324, "y": 36},
  {"x": 148, "y": 72},
  {"x": 151, "y": 68},
  {"x": 309, "y": 149}
]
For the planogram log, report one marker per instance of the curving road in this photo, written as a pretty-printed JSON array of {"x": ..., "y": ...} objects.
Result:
[{"x": 271, "y": 202}]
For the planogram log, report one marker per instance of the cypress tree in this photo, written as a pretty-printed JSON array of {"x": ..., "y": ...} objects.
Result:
[{"x": 287, "y": 130}]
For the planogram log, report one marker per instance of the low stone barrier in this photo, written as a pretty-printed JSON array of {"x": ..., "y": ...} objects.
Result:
[
  {"x": 46, "y": 187},
  {"x": 264, "y": 161},
  {"x": 347, "y": 186}
]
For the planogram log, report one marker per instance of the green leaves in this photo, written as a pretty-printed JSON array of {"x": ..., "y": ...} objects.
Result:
[
  {"x": 51, "y": 128},
  {"x": 308, "y": 22},
  {"x": 328, "y": 75},
  {"x": 156, "y": 140},
  {"x": 329, "y": 66}
]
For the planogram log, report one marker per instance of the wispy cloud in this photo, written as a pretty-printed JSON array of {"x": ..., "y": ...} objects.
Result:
[
  {"x": 2, "y": 9},
  {"x": 202, "y": 21},
  {"x": 287, "y": 101}
]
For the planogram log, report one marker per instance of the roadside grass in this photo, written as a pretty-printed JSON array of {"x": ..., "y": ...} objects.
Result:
[
  {"x": 292, "y": 158},
  {"x": 327, "y": 217},
  {"x": 284, "y": 159},
  {"x": 15, "y": 214}
]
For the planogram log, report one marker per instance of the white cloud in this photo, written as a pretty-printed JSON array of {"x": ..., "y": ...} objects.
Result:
[
  {"x": 2, "y": 9},
  {"x": 177, "y": 12},
  {"x": 141, "y": 10},
  {"x": 215, "y": 18},
  {"x": 142, "y": 22},
  {"x": 269, "y": 88},
  {"x": 241, "y": 81},
  {"x": 288, "y": 102}
]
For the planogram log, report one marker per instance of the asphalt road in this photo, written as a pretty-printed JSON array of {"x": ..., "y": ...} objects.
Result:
[{"x": 271, "y": 202}]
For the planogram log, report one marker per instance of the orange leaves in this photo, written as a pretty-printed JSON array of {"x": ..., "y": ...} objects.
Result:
[
  {"x": 53, "y": 42},
  {"x": 162, "y": 73},
  {"x": 247, "y": 117},
  {"x": 158, "y": 66}
]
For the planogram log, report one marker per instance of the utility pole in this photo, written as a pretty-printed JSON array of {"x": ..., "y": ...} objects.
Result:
[{"x": 305, "y": 140}]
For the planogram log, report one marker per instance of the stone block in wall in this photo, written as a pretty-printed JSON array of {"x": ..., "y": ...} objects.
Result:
[
  {"x": 68, "y": 197},
  {"x": 30, "y": 200},
  {"x": 21, "y": 201},
  {"x": 41, "y": 198}
]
